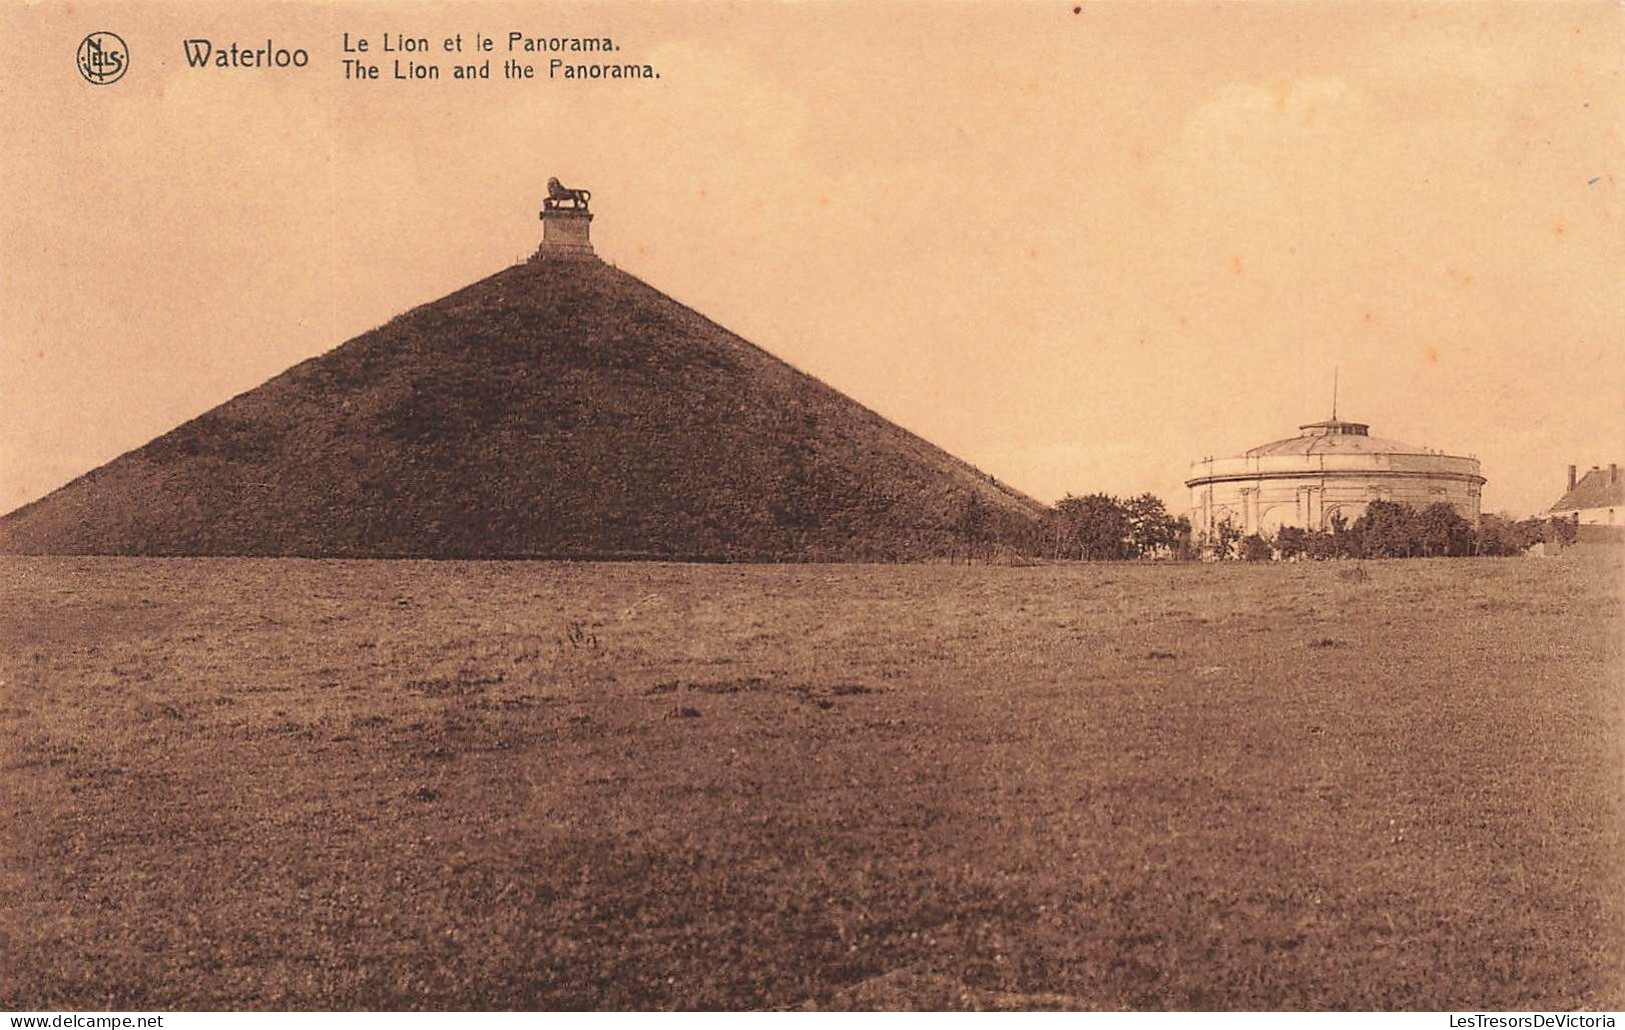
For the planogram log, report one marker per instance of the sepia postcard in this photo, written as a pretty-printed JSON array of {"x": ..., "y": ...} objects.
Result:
[{"x": 806, "y": 507}]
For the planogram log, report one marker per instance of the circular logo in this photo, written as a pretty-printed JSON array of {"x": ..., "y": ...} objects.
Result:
[{"x": 103, "y": 58}]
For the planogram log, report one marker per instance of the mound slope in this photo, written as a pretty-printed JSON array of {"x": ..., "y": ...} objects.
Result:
[{"x": 557, "y": 409}]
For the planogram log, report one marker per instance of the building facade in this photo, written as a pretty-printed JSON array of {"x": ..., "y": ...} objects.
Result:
[
  {"x": 1330, "y": 468},
  {"x": 1598, "y": 499}
]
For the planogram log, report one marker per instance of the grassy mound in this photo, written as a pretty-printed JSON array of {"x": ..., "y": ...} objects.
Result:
[{"x": 556, "y": 409}]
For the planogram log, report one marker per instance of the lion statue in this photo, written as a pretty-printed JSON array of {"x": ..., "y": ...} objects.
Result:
[{"x": 559, "y": 194}]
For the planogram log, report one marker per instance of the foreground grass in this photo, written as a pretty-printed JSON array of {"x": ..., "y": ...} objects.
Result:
[{"x": 257, "y": 784}]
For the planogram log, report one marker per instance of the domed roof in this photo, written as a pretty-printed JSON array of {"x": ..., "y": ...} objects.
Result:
[{"x": 1335, "y": 436}]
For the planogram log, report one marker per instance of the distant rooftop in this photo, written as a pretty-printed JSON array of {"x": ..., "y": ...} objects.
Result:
[
  {"x": 1336, "y": 426},
  {"x": 1599, "y": 488},
  {"x": 1335, "y": 436}
]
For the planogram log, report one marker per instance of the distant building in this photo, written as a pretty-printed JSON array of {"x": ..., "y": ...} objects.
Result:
[
  {"x": 1597, "y": 499},
  {"x": 1329, "y": 468}
]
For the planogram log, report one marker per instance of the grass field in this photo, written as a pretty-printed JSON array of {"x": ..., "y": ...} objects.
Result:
[{"x": 300, "y": 784}]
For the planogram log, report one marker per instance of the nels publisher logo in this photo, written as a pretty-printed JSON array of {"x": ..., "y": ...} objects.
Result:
[{"x": 103, "y": 58}]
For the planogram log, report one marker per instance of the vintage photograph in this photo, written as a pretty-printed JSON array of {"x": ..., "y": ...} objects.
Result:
[{"x": 992, "y": 505}]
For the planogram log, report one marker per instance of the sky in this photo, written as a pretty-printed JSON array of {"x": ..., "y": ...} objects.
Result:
[{"x": 1079, "y": 245}]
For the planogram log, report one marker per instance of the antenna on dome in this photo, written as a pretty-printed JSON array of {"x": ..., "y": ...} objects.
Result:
[{"x": 1334, "y": 393}]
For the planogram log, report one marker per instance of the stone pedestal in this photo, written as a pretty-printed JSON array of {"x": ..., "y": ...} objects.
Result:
[{"x": 566, "y": 233}]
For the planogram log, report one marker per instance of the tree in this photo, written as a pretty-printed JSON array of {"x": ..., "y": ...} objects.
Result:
[
  {"x": 1387, "y": 530},
  {"x": 1440, "y": 530},
  {"x": 1346, "y": 542},
  {"x": 1099, "y": 527},
  {"x": 1320, "y": 545},
  {"x": 1292, "y": 541},
  {"x": 1564, "y": 531},
  {"x": 1496, "y": 535},
  {"x": 1225, "y": 535},
  {"x": 1094, "y": 528},
  {"x": 1150, "y": 529},
  {"x": 1103, "y": 527},
  {"x": 1255, "y": 548},
  {"x": 1184, "y": 547},
  {"x": 1064, "y": 518}
]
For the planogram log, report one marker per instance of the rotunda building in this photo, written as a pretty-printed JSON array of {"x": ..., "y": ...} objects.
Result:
[{"x": 1329, "y": 468}]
